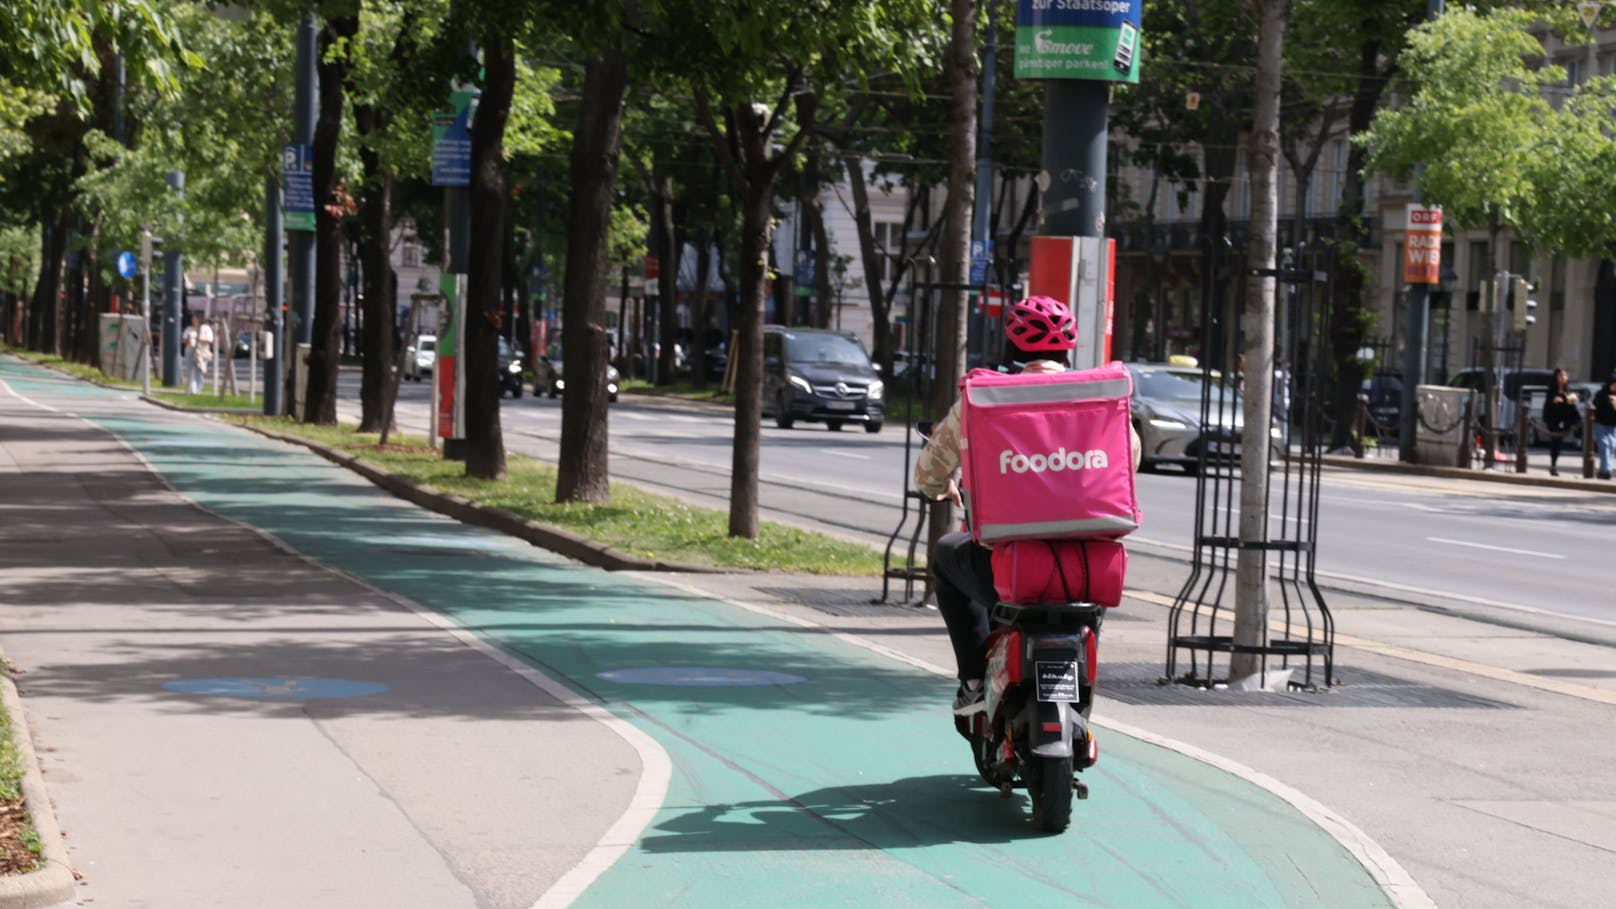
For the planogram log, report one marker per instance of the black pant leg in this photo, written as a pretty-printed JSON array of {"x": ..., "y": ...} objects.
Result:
[{"x": 962, "y": 577}]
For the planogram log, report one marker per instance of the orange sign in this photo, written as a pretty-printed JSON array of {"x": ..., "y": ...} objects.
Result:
[{"x": 1422, "y": 246}]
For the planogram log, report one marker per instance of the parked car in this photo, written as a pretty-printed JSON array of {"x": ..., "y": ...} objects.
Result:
[
  {"x": 420, "y": 357},
  {"x": 550, "y": 376},
  {"x": 1384, "y": 394},
  {"x": 1511, "y": 384},
  {"x": 510, "y": 369},
  {"x": 244, "y": 343},
  {"x": 1166, "y": 410},
  {"x": 819, "y": 376}
]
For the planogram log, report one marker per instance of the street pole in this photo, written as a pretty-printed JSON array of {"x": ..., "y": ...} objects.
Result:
[
  {"x": 173, "y": 290},
  {"x": 1076, "y": 118},
  {"x": 301, "y": 331},
  {"x": 1417, "y": 318},
  {"x": 981, "y": 228},
  {"x": 145, "y": 310},
  {"x": 274, "y": 298}
]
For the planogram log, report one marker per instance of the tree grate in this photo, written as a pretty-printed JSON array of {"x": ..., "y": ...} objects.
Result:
[{"x": 1139, "y": 684}]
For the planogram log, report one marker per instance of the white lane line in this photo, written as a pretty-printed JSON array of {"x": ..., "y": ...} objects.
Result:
[
  {"x": 1526, "y": 552},
  {"x": 25, "y": 399},
  {"x": 844, "y": 454}
]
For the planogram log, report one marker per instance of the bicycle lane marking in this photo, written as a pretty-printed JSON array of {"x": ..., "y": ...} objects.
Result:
[{"x": 850, "y": 783}]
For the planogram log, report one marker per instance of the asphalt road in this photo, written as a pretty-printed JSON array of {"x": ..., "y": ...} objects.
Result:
[{"x": 1535, "y": 550}]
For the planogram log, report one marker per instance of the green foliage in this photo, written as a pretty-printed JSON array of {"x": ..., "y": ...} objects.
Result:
[
  {"x": 1496, "y": 149},
  {"x": 223, "y": 126}
]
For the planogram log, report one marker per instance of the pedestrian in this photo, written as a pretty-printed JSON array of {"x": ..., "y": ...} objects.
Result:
[
  {"x": 1560, "y": 416},
  {"x": 196, "y": 344},
  {"x": 1605, "y": 425}
]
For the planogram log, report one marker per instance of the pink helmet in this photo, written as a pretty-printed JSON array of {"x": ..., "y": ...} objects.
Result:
[{"x": 1041, "y": 323}]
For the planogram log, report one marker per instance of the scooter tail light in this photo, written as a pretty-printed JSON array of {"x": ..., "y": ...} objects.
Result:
[
  {"x": 1094, "y": 748},
  {"x": 1091, "y": 655}
]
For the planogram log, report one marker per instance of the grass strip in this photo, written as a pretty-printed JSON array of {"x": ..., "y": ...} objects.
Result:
[
  {"x": 20, "y": 847},
  {"x": 636, "y": 522}
]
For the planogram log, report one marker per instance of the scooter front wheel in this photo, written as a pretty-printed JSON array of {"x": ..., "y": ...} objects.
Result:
[{"x": 1049, "y": 782}]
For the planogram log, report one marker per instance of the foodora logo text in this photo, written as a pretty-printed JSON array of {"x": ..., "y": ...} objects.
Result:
[{"x": 1059, "y": 459}]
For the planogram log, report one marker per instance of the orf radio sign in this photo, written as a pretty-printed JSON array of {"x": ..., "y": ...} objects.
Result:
[{"x": 1422, "y": 246}]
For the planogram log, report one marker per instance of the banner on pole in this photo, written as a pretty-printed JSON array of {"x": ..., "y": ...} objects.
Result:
[{"x": 1422, "y": 246}]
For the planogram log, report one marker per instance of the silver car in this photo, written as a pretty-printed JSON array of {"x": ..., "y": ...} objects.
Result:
[{"x": 1166, "y": 408}]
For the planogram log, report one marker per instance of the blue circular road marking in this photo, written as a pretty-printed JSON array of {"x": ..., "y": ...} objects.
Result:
[
  {"x": 700, "y": 676},
  {"x": 277, "y": 689}
]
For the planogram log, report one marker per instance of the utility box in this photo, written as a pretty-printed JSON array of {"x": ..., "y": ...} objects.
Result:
[
  {"x": 1439, "y": 425},
  {"x": 1078, "y": 272},
  {"x": 121, "y": 340}
]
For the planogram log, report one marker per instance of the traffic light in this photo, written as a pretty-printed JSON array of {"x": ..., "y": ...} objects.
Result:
[{"x": 1524, "y": 304}]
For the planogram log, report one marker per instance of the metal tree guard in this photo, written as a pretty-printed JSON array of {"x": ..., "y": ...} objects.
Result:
[{"x": 1200, "y": 625}]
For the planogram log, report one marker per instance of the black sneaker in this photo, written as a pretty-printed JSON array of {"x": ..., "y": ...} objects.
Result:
[{"x": 969, "y": 698}]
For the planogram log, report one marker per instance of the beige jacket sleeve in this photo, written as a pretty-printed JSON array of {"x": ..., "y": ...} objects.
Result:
[{"x": 941, "y": 457}]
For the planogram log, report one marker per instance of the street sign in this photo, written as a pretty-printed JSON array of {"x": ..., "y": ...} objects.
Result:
[
  {"x": 297, "y": 180},
  {"x": 1589, "y": 11},
  {"x": 1422, "y": 246},
  {"x": 1078, "y": 39},
  {"x": 128, "y": 266},
  {"x": 451, "y": 140},
  {"x": 981, "y": 251}
]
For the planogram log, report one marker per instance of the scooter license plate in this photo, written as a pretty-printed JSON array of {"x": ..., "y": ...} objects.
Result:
[{"x": 1057, "y": 681}]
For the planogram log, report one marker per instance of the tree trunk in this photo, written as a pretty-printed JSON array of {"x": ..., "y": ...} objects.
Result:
[
  {"x": 667, "y": 253},
  {"x": 701, "y": 309},
  {"x": 326, "y": 339},
  {"x": 956, "y": 238},
  {"x": 380, "y": 308},
  {"x": 1251, "y": 569},
  {"x": 597, "y": 146},
  {"x": 42, "y": 313},
  {"x": 485, "y": 445},
  {"x": 880, "y": 310},
  {"x": 1349, "y": 319},
  {"x": 756, "y": 228},
  {"x": 73, "y": 334}
]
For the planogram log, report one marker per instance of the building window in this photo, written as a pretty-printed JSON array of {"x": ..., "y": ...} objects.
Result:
[
  {"x": 889, "y": 245},
  {"x": 410, "y": 255}
]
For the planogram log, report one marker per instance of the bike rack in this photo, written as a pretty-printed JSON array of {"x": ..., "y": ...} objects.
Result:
[
  {"x": 1200, "y": 624},
  {"x": 919, "y": 387}
]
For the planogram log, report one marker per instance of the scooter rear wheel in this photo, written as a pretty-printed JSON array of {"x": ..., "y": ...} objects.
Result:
[{"x": 1049, "y": 782}]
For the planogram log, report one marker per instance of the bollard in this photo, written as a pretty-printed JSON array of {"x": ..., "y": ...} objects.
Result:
[
  {"x": 1522, "y": 423},
  {"x": 1467, "y": 442},
  {"x": 1588, "y": 442},
  {"x": 1358, "y": 427}
]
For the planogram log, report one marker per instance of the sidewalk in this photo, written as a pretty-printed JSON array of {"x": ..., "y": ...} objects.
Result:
[{"x": 471, "y": 782}]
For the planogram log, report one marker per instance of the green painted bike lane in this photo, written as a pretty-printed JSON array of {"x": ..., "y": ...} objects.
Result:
[{"x": 838, "y": 782}]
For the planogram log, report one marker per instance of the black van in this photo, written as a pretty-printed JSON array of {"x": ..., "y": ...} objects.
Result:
[{"x": 819, "y": 376}]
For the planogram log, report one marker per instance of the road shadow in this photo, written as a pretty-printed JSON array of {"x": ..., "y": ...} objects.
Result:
[{"x": 912, "y": 812}]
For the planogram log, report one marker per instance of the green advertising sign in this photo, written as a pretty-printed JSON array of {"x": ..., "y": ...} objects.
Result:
[{"x": 1078, "y": 39}]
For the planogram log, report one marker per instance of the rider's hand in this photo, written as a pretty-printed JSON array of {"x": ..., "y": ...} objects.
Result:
[{"x": 952, "y": 493}]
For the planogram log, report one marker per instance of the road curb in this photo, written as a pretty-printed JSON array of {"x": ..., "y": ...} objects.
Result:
[
  {"x": 54, "y": 882},
  {"x": 544, "y": 536},
  {"x": 1386, "y": 465}
]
